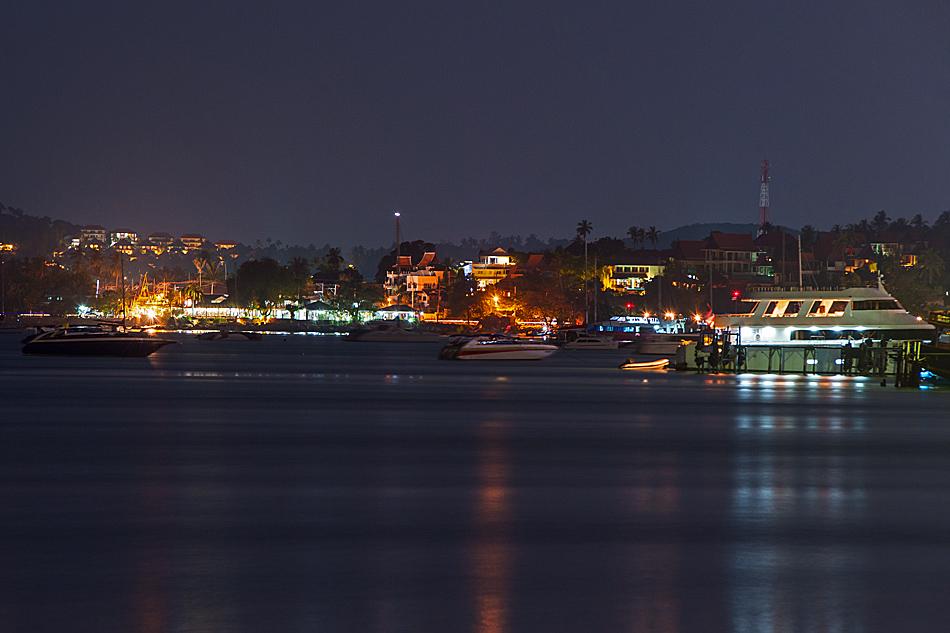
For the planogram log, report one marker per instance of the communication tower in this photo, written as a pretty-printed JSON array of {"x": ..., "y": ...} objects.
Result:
[{"x": 764, "y": 195}]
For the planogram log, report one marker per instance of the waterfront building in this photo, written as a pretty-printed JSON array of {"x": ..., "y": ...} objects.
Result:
[
  {"x": 629, "y": 275},
  {"x": 124, "y": 234},
  {"x": 192, "y": 241},
  {"x": 492, "y": 267},
  {"x": 93, "y": 236}
]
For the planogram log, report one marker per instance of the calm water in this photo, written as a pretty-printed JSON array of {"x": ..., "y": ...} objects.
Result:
[{"x": 309, "y": 484}]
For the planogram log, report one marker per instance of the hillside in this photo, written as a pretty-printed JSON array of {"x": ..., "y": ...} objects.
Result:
[{"x": 33, "y": 236}]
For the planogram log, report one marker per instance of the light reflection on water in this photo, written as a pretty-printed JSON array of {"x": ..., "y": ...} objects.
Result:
[
  {"x": 492, "y": 552},
  {"x": 789, "y": 488},
  {"x": 377, "y": 489}
]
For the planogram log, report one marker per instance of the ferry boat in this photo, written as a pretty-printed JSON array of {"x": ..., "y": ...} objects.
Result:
[
  {"x": 778, "y": 316},
  {"x": 495, "y": 347}
]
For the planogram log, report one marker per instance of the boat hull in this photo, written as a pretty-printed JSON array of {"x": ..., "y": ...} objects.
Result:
[
  {"x": 125, "y": 347},
  {"x": 513, "y": 353},
  {"x": 491, "y": 348}
]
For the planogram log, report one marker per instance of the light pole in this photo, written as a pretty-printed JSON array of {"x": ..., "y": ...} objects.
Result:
[{"x": 398, "y": 245}]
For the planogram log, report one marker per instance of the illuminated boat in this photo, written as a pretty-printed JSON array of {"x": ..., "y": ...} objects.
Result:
[
  {"x": 93, "y": 340},
  {"x": 775, "y": 317},
  {"x": 936, "y": 356},
  {"x": 495, "y": 347},
  {"x": 660, "y": 363}
]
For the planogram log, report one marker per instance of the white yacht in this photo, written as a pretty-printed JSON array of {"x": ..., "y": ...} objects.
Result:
[
  {"x": 777, "y": 316},
  {"x": 495, "y": 347}
]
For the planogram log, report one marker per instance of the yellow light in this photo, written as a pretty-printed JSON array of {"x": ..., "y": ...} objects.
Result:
[
  {"x": 697, "y": 318},
  {"x": 670, "y": 316},
  {"x": 646, "y": 314}
]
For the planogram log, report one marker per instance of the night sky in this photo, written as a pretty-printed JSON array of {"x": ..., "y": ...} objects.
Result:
[{"x": 312, "y": 122}]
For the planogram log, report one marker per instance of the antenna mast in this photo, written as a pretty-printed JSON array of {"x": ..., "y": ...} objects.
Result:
[{"x": 764, "y": 196}]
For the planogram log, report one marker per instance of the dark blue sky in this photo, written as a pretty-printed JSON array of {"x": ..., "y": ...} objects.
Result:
[{"x": 314, "y": 122}]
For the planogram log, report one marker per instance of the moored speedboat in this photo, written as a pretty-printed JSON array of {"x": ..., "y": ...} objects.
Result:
[
  {"x": 495, "y": 347},
  {"x": 93, "y": 340}
]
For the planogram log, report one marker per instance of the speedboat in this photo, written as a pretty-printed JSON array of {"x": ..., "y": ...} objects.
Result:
[
  {"x": 660, "y": 363},
  {"x": 495, "y": 347},
  {"x": 591, "y": 342},
  {"x": 803, "y": 317},
  {"x": 392, "y": 332},
  {"x": 93, "y": 340},
  {"x": 664, "y": 343}
]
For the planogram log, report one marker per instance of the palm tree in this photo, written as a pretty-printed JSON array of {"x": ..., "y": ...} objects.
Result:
[
  {"x": 930, "y": 264},
  {"x": 200, "y": 262},
  {"x": 214, "y": 271},
  {"x": 808, "y": 235},
  {"x": 114, "y": 265},
  {"x": 918, "y": 222},
  {"x": 583, "y": 230},
  {"x": 333, "y": 259},
  {"x": 96, "y": 265},
  {"x": 880, "y": 222},
  {"x": 900, "y": 225},
  {"x": 636, "y": 234},
  {"x": 653, "y": 235}
]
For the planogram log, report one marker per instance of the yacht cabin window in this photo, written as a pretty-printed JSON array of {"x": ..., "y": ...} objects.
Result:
[
  {"x": 827, "y": 308},
  {"x": 783, "y": 308}
]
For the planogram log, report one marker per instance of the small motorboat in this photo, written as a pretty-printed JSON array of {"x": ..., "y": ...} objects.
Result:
[
  {"x": 660, "y": 363},
  {"x": 393, "y": 331},
  {"x": 495, "y": 347},
  {"x": 592, "y": 342},
  {"x": 229, "y": 336},
  {"x": 93, "y": 340}
]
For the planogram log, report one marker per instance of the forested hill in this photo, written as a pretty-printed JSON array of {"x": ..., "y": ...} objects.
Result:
[
  {"x": 702, "y": 231},
  {"x": 33, "y": 236}
]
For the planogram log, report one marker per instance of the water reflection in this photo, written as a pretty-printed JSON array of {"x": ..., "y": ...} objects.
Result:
[
  {"x": 653, "y": 569},
  {"x": 793, "y": 568},
  {"x": 492, "y": 551}
]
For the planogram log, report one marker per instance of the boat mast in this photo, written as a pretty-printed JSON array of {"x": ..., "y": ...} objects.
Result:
[
  {"x": 122, "y": 274},
  {"x": 799, "y": 261}
]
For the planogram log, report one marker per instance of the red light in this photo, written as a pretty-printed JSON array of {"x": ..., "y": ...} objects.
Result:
[{"x": 735, "y": 294}]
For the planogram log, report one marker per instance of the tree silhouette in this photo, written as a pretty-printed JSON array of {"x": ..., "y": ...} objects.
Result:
[
  {"x": 880, "y": 222},
  {"x": 583, "y": 230},
  {"x": 653, "y": 235}
]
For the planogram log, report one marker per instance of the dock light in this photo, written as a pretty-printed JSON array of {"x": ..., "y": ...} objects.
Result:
[
  {"x": 670, "y": 316},
  {"x": 697, "y": 318},
  {"x": 646, "y": 315},
  {"x": 397, "y": 214}
]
